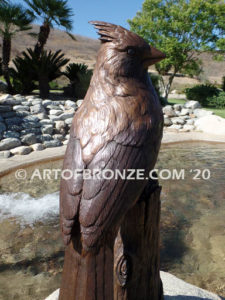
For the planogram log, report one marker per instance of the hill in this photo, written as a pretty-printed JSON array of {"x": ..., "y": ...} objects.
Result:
[{"x": 84, "y": 50}]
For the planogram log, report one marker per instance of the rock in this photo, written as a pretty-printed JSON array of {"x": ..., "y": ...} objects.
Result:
[
  {"x": 11, "y": 134},
  {"x": 2, "y": 127},
  {"x": 60, "y": 127},
  {"x": 54, "y": 143},
  {"x": 22, "y": 150},
  {"x": 3, "y": 86},
  {"x": 21, "y": 107},
  {"x": 36, "y": 109},
  {"x": 26, "y": 103},
  {"x": 192, "y": 104},
  {"x": 177, "y": 289},
  {"x": 36, "y": 102},
  {"x": 30, "y": 98},
  {"x": 9, "y": 143},
  {"x": 13, "y": 121},
  {"x": 189, "y": 127},
  {"x": 54, "y": 118},
  {"x": 175, "y": 127},
  {"x": 34, "y": 130},
  {"x": 8, "y": 99},
  {"x": 30, "y": 119},
  {"x": 47, "y": 129},
  {"x": 46, "y": 102},
  {"x": 167, "y": 121},
  {"x": 22, "y": 113},
  {"x": 67, "y": 115},
  {"x": 65, "y": 142},
  {"x": 5, "y": 154},
  {"x": 174, "y": 289},
  {"x": 168, "y": 111},
  {"x": 5, "y": 108},
  {"x": 51, "y": 106},
  {"x": 79, "y": 102},
  {"x": 46, "y": 122},
  {"x": 59, "y": 137},
  {"x": 55, "y": 112},
  {"x": 190, "y": 122},
  {"x": 14, "y": 128},
  {"x": 42, "y": 116},
  {"x": 184, "y": 112},
  {"x": 178, "y": 120},
  {"x": 211, "y": 124},
  {"x": 44, "y": 138},
  {"x": 29, "y": 139},
  {"x": 38, "y": 147},
  {"x": 8, "y": 114},
  {"x": 70, "y": 103},
  {"x": 29, "y": 125},
  {"x": 199, "y": 113},
  {"x": 69, "y": 121},
  {"x": 178, "y": 107}
]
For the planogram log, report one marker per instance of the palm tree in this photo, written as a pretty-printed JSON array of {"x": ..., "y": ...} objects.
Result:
[
  {"x": 52, "y": 12},
  {"x": 13, "y": 18}
]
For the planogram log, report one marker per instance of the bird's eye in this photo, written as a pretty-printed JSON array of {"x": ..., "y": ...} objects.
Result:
[{"x": 131, "y": 51}]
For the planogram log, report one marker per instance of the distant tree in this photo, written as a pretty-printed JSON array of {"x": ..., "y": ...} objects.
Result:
[
  {"x": 180, "y": 28},
  {"x": 52, "y": 12},
  {"x": 13, "y": 19},
  {"x": 43, "y": 69}
]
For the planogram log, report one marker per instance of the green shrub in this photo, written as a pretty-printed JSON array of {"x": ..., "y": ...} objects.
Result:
[
  {"x": 31, "y": 68},
  {"x": 80, "y": 78},
  {"x": 217, "y": 101},
  {"x": 201, "y": 93}
]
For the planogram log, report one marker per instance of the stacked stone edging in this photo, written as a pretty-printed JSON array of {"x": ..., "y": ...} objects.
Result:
[{"x": 28, "y": 123}]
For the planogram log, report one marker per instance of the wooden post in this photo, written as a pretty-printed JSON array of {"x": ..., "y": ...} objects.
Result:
[
  {"x": 136, "y": 250},
  {"x": 90, "y": 276}
]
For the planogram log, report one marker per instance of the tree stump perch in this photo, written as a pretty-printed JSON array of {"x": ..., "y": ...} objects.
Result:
[{"x": 129, "y": 270}]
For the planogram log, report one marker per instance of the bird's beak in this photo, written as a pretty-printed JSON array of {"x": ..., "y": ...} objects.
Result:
[{"x": 153, "y": 57}]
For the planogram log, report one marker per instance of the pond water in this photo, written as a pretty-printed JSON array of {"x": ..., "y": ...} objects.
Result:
[{"x": 192, "y": 223}]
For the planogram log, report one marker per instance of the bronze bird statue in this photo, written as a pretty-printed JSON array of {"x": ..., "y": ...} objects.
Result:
[{"x": 118, "y": 127}]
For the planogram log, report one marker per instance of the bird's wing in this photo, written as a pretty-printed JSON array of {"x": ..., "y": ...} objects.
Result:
[
  {"x": 71, "y": 187},
  {"x": 105, "y": 201}
]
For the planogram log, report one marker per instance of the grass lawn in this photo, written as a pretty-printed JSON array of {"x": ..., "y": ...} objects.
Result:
[{"x": 217, "y": 111}]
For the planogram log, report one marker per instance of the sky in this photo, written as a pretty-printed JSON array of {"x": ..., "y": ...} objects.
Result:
[{"x": 116, "y": 11}]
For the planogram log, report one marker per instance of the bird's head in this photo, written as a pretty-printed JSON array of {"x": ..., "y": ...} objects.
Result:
[{"x": 124, "y": 53}]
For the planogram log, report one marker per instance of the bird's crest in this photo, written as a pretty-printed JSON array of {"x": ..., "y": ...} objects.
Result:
[{"x": 113, "y": 33}]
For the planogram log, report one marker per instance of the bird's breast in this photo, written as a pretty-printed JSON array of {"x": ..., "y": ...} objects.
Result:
[{"x": 126, "y": 119}]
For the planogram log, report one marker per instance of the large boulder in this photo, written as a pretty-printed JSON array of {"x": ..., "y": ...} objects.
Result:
[
  {"x": 192, "y": 104},
  {"x": 9, "y": 143},
  {"x": 211, "y": 124},
  {"x": 199, "y": 113}
]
